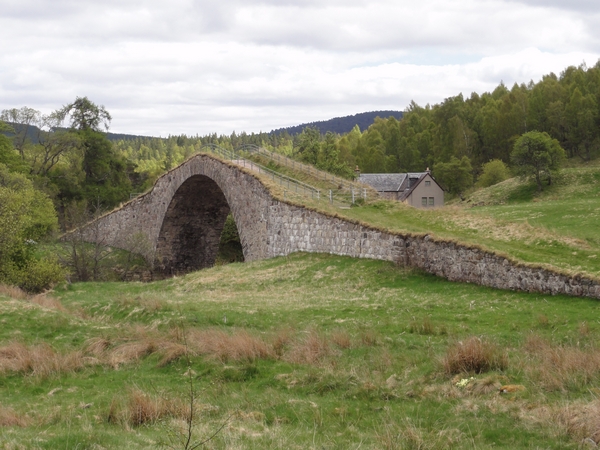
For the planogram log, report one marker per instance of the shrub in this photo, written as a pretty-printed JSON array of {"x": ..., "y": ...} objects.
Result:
[
  {"x": 493, "y": 172},
  {"x": 41, "y": 275}
]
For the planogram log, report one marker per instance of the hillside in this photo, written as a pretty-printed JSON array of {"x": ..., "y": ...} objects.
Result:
[
  {"x": 341, "y": 125},
  {"x": 557, "y": 228}
]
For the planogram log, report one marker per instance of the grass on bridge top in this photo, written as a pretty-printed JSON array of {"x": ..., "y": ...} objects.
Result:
[
  {"x": 559, "y": 227},
  {"x": 306, "y": 351}
]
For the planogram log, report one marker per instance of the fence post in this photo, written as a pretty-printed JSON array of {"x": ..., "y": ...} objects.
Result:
[
  {"x": 330, "y": 196},
  {"x": 353, "y": 196}
]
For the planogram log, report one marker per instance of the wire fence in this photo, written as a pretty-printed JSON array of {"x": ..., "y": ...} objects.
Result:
[
  {"x": 341, "y": 186},
  {"x": 346, "y": 194}
]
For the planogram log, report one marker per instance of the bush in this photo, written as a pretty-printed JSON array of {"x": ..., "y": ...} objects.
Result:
[
  {"x": 36, "y": 276},
  {"x": 494, "y": 172}
]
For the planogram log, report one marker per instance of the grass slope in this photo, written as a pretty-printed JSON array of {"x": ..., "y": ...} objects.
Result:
[
  {"x": 308, "y": 351},
  {"x": 557, "y": 228}
]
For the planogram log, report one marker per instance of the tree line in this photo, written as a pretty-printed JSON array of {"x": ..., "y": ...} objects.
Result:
[{"x": 71, "y": 165}]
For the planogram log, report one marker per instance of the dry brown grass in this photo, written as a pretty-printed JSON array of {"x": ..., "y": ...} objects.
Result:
[
  {"x": 96, "y": 346},
  {"x": 281, "y": 340},
  {"x": 38, "y": 360},
  {"x": 474, "y": 355},
  {"x": 341, "y": 338},
  {"x": 45, "y": 301},
  {"x": 10, "y": 418},
  {"x": 131, "y": 352},
  {"x": 238, "y": 346},
  {"x": 311, "y": 349},
  {"x": 140, "y": 408},
  {"x": 12, "y": 292},
  {"x": 369, "y": 338},
  {"x": 578, "y": 420},
  {"x": 558, "y": 367}
]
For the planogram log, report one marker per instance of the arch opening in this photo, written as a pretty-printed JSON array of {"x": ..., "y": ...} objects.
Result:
[
  {"x": 230, "y": 246},
  {"x": 192, "y": 227}
]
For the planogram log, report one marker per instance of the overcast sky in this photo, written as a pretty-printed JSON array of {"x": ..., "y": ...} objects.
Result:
[{"x": 198, "y": 67}]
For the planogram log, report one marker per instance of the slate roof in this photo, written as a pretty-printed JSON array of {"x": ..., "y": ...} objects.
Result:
[
  {"x": 391, "y": 182},
  {"x": 416, "y": 179},
  {"x": 383, "y": 182},
  {"x": 404, "y": 183}
]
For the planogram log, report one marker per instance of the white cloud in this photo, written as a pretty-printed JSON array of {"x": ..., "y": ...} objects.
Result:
[{"x": 216, "y": 66}]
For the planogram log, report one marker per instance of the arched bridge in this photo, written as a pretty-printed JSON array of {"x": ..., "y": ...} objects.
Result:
[{"x": 179, "y": 223}]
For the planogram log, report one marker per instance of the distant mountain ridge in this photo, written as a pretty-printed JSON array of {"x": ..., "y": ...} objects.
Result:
[
  {"x": 342, "y": 125},
  {"x": 339, "y": 125}
]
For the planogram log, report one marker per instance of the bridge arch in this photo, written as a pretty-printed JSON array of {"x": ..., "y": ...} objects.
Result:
[
  {"x": 191, "y": 229},
  {"x": 183, "y": 216}
]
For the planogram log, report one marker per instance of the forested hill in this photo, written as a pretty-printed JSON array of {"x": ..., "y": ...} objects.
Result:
[
  {"x": 342, "y": 125},
  {"x": 32, "y": 133},
  {"x": 338, "y": 125}
]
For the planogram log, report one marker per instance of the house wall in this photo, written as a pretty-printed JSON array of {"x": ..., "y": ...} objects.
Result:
[{"x": 433, "y": 190}]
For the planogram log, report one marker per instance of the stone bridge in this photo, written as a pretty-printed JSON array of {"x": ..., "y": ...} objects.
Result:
[{"x": 179, "y": 224}]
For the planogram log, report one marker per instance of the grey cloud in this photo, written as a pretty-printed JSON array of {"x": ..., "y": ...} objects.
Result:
[{"x": 569, "y": 5}]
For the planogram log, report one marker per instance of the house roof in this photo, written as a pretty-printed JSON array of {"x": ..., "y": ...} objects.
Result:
[
  {"x": 383, "y": 182},
  {"x": 416, "y": 179},
  {"x": 404, "y": 183}
]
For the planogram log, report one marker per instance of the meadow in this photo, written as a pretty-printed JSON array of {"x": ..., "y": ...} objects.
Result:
[
  {"x": 323, "y": 351},
  {"x": 305, "y": 351}
]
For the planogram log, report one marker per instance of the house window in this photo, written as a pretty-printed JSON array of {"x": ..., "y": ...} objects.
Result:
[
  {"x": 423, "y": 201},
  {"x": 431, "y": 201},
  {"x": 428, "y": 183}
]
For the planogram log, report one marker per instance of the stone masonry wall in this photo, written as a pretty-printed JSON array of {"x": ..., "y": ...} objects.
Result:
[
  {"x": 294, "y": 228},
  {"x": 269, "y": 227}
]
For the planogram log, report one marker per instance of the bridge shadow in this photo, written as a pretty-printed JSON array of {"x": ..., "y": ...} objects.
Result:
[{"x": 193, "y": 225}]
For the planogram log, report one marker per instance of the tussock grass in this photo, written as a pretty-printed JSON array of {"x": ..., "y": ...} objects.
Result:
[
  {"x": 39, "y": 360},
  {"x": 10, "y": 418},
  {"x": 313, "y": 348},
  {"x": 341, "y": 339},
  {"x": 140, "y": 408},
  {"x": 580, "y": 421},
  {"x": 560, "y": 367},
  {"x": 474, "y": 355},
  {"x": 46, "y": 301},
  {"x": 238, "y": 346},
  {"x": 12, "y": 292},
  {"x": 409, "y": 434}
]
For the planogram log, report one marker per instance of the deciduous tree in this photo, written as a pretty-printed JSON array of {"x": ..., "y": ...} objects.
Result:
[{"x": 537, "y": 155}]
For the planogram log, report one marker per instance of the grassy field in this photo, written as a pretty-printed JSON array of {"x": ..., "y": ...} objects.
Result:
[
  {"x": 558, "y": 227},
  {"x": 308, "y": 351}
]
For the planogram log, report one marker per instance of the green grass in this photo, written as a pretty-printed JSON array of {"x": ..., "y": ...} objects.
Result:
[
  {"x": 557, "y": 228},
  {"x": 377, "y": 383}
]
